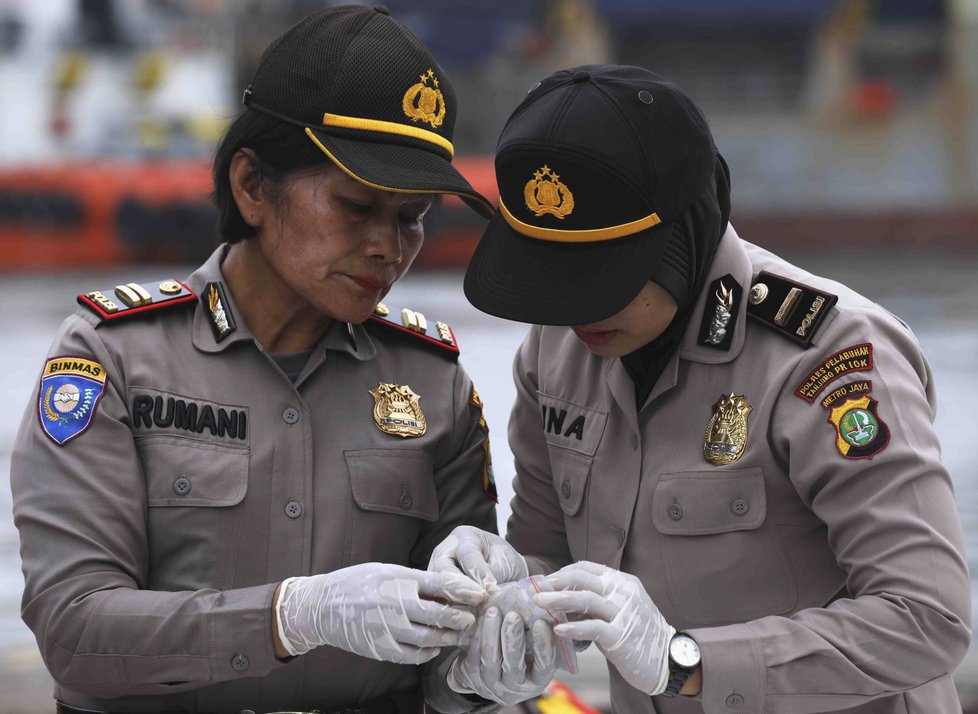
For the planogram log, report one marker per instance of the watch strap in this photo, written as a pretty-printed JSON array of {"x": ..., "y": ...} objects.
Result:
[{"x": 677, "y": 678}]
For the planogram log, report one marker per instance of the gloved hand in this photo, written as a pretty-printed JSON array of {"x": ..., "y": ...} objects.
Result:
[
  {"x": 621, "y": 619},
  {"x": 377, "y": 610},
  {"x": 485, "y": 557},
  {"x": 495, "y": 664}
]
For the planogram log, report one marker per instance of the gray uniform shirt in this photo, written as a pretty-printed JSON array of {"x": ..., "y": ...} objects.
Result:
[
  {"x": 153, "y": 541},
  {"x": 816, "y": 573}
]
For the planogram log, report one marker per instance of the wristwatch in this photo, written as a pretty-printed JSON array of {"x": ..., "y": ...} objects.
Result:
[{"x": 684, "y": 658}]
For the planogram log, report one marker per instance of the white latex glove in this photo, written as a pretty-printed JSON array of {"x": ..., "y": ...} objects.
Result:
[
  {"x": 612, "y": 609},
  {"x": 500, "y": 664},
  {"x": 377, "y": 610},
  {"x": 485, "y": 557}
]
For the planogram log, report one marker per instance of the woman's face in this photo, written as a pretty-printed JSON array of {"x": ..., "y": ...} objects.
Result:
[
  {"x": 340, "y": 245},
  {"x": 641, "y": 321}
]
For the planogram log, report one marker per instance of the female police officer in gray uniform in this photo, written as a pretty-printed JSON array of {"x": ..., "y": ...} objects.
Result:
[
  {"x": 730, "y": 447},
  {"x": 223, "y": 485}
]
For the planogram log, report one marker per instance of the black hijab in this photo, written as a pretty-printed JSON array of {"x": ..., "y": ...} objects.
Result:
[{"x": 682, "y": 271}]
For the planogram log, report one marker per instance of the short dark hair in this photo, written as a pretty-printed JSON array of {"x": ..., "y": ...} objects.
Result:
[{"x": 281, "y": 150}]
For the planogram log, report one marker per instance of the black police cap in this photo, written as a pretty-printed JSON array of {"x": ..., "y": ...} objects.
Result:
[
  {"x": 370, "y": 95},
  {"x": 593, "y": 167}
]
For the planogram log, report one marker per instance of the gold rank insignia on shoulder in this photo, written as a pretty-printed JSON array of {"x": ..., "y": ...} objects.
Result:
[
  {"x": 397, "y": 410},
  {"x": 416, "y": 324},
  {"x": 726, "y": 435},
  {"x": 129, "y": 299},
  {"x": 791, "y": 309},
  {"x": 545, "y": 193},
  {"x": 423, "y": 101}
]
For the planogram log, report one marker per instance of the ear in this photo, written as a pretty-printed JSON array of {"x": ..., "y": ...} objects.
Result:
[{"x": 245, "y": 178}]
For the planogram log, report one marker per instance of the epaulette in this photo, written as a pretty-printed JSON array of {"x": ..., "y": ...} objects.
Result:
[
  {"x": 415, "y": 324},
  {"x": 133, "y": 299},
  {"x": 791, "y": 309}
]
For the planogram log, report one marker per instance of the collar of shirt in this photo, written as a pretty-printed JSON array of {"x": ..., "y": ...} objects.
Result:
[
  {"x": 731, "y": 257},
  {"x": 341, "y": 337}
]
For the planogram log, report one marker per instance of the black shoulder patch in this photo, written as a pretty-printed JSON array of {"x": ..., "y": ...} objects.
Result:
[
  {"x": 415, "y": 324},
  {"x": 791, "y": 309},
  {"x": 133, "y": 299}
]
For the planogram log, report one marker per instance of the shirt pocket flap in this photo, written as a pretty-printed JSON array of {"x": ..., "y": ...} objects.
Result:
[
  {"x": 704, "y": 502},
  {"x": 570, "y": 476},
  {"x": 182, "y": 472},
  {"x": 399, "y": 481}
]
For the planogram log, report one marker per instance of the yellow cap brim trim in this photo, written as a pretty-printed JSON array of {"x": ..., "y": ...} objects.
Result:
[
  {"x": 589, "y": 235},
  {"x": 389, "y": 127},
  {"x": 348, "y": 172}
]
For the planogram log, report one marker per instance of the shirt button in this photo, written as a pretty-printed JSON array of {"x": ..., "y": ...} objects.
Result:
[
  {"x": 239, "y": 663},
  {"x": 182, "y": 486},
  {"x": 739, "y": 507},
  {"x": 406, "y": 500},
  {"x": 634, "y": 441},
  {"x": 735, "y": 701},
  {"x": 290, "y": 415},
  {"x": 565, "y": 489},
  {"x": 621, "y": 538},
  {"x": 293, "y": 509},
  {"x": 675, "y": 511}
]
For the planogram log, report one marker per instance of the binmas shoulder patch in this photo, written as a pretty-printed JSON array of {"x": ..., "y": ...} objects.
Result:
[
  {"x": 71, "y": 388},
  {"x": 791, "y": 309},
  {"x": 133, "y": 299},
  {"x": 417, "y": 326}
]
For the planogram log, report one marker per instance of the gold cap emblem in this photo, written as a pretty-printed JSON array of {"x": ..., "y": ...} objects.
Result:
[
  {"x": 726, "y": 434},
  {"x": 397, "y": 411},
  {"x": 545, "y": 193},
  {"x": 424, "y": 102}
]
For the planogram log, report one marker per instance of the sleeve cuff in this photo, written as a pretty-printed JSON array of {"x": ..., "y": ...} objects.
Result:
[
  {"x": 242, "y": 627},
  {"x": 733, "y": 670}
]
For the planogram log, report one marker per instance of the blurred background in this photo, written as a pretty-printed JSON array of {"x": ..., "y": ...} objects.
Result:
[{"x": 850, "y": 127}]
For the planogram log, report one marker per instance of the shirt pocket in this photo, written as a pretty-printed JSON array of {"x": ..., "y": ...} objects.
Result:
[
  {"x": 194, "y": 491},
  {"x": 183, "y": 472},
  {"x": 724, "y": 562},
  {"x": 393, "y": 494},
  {"x": 571, "y": 474}
]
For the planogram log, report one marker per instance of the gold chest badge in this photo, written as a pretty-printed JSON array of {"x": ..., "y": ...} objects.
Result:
[
  {"x": 397, "y": 411},
  {"x": 424, "y": 102},
  {"x": 545, "y": 193},
  {"x": 726, "y": 435}
]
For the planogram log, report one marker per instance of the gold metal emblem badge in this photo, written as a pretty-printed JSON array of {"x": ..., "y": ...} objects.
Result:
[
  {"x": 758, "y": 294},
  {"x": 726, "y": 434},
  {"x": 545, "y": 193},
  {"x": 397, "y": 411},
  {"x": 222, "y": 323},
  {"x": 425, "y": 103},
  {"x": 170, "y": 287},
  {"x": 721, "y": 315}
]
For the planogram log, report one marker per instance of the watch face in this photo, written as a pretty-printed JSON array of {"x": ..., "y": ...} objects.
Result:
[{"x": 684, "y": 651}]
